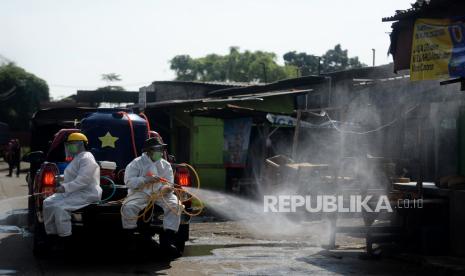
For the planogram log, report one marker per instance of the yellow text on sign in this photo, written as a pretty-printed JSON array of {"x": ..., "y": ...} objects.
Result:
[{"x": 431, "y": 50}]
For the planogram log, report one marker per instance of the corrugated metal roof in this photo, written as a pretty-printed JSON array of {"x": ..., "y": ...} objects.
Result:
[
  {"x": 430, "y": 9},
  {"x": 281, "y": 85},
  {"x": 255, "y": 96},
  {"x": 171, "y": 103},
  {"x": 228, "y": 112},
  {"x": 207, "y": 83},
  {"x": 237, "y": 98}
]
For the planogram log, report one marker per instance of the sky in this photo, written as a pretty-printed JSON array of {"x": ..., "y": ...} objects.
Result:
[{"x": 71, "y": 43}]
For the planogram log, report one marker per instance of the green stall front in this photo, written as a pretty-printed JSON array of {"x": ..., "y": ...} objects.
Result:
[
  {"x": 199, "y": 140},
  {"x": 207, "y": 151}
]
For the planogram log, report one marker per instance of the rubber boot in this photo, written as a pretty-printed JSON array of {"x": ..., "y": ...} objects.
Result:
[
  {"x": 62, "y": 246},
  {"x": 131, "y": 239},
  {"x": 168, "y": 243}
]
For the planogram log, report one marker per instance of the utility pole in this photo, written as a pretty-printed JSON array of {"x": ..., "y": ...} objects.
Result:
[
  {"x": 264, "y": 71},
  {"x": 374, "y": 54},
  {"x": 319, "y": 66}
]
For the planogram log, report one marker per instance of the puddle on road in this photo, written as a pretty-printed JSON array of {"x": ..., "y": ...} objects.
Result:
[
  {"x": 200, "y": 250},
  {"x": 17, "y": 215},
  {"x": 12, "y": 229},
  {"x": 8, "y": 272},
  {"x": 196, "y": 250},
  {"x": 14, "y": 222}
]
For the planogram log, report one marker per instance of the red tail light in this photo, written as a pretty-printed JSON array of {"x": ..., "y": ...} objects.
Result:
[
  {"x": 48, "y": 183},
  {"x": 183, "y": 176},
  {"x": 48, "y": 178}
]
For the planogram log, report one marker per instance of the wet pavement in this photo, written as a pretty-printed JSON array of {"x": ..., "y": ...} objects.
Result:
[
  {"x": 205, "y": 254},
  {"x": 13, "y": 190},
  {"x": 214, "y": 248}
]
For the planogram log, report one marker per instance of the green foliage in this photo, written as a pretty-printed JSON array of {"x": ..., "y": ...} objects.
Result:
[
  {"x": 111, "y": 88},
  {"x": 110, "y": 77},
  {"x": 259, "y": 66},
  {"x": 27, "y": 93},
  {"x": 236, "y": 66},
  {"x": 333, "y": 60},
  {"x": 185, "y": 67},
  {"x": 307, "y": 64}
]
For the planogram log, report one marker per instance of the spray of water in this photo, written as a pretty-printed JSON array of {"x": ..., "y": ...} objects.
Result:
[
  {"x": 380, "y": 116},
  {"x": 266, "y": 225}
]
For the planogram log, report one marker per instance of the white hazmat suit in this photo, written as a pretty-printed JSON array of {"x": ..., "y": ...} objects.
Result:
[
  {"x": 134, "y": 178},
  {"x": 81, "y": 184}
]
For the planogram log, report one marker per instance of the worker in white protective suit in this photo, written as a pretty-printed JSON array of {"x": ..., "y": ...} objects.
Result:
[
  {"x": 80, "y": 187},
  {"x": 142, "y": 177}
]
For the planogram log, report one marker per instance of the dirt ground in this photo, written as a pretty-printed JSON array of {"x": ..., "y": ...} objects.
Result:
[{"x": 215, "y": 248}]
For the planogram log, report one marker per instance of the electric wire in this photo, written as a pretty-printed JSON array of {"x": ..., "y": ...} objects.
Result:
[{"x": 372, "y": 130}]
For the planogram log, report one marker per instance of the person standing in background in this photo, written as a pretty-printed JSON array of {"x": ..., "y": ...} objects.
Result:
[{"x": 13, "y": 156}]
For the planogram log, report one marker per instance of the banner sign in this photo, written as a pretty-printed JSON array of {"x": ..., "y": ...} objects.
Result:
[
  {"x": 438, "y": 50},
  {"x": 236, "y": 142},
  {"x": 287, "y": 121}
]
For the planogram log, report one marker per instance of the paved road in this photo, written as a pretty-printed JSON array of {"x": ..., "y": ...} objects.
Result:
[
  {"x": 11, "y": 188},
  {"x": 215, "y": 248}
]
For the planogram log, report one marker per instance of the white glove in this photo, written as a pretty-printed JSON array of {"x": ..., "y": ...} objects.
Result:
[
  {"x": 151, "y": 179},
  {"x": 166, "y": 189}
]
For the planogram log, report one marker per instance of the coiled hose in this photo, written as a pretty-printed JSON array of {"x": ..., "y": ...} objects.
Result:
[
  {"x": 155, "y": 195},
  {"x": 112, "y": 192}
]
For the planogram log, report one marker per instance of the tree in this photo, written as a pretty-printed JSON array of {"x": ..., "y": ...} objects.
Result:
[
  {"x": 333, "y": 60},
  {"x": 337, "y": 60},
  {"x": 184, "y": 67},
  {"x": 111, "y": 88},
  {"x": 25, "y": 92},
  {"x": 307, "y": 64},
  {"x": 110, "y": 78},
  {"x": 236, "y": 66}
]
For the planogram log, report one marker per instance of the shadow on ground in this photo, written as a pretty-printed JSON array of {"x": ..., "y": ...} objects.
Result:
[
  {"x": 350, "y": 262},
  {"x": 16, "y": 258},
  {"x": 96, "y": 256}
]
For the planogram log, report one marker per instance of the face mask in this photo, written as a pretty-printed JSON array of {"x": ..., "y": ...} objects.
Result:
[
  {"x": 156, "y": 155},
  {"x": 72, "y": 148}
]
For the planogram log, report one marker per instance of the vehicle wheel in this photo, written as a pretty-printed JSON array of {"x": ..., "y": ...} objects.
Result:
[
  {"x": 40, "y": 244},
  {"x": 181, "y": 237},
  {"x": 31, "y": 214},
  {"x": 31, "y": 204}
]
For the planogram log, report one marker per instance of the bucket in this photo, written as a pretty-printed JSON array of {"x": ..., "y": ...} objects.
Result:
[{"x": 62, "y": 166}]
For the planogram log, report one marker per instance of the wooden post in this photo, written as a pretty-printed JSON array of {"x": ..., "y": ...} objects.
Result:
[
  {"x": 296, "y": 135},
  {"x": 420, "y": 158}
]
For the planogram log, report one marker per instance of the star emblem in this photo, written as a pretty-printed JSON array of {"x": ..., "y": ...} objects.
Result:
[{"x": 108, "y": 140}]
